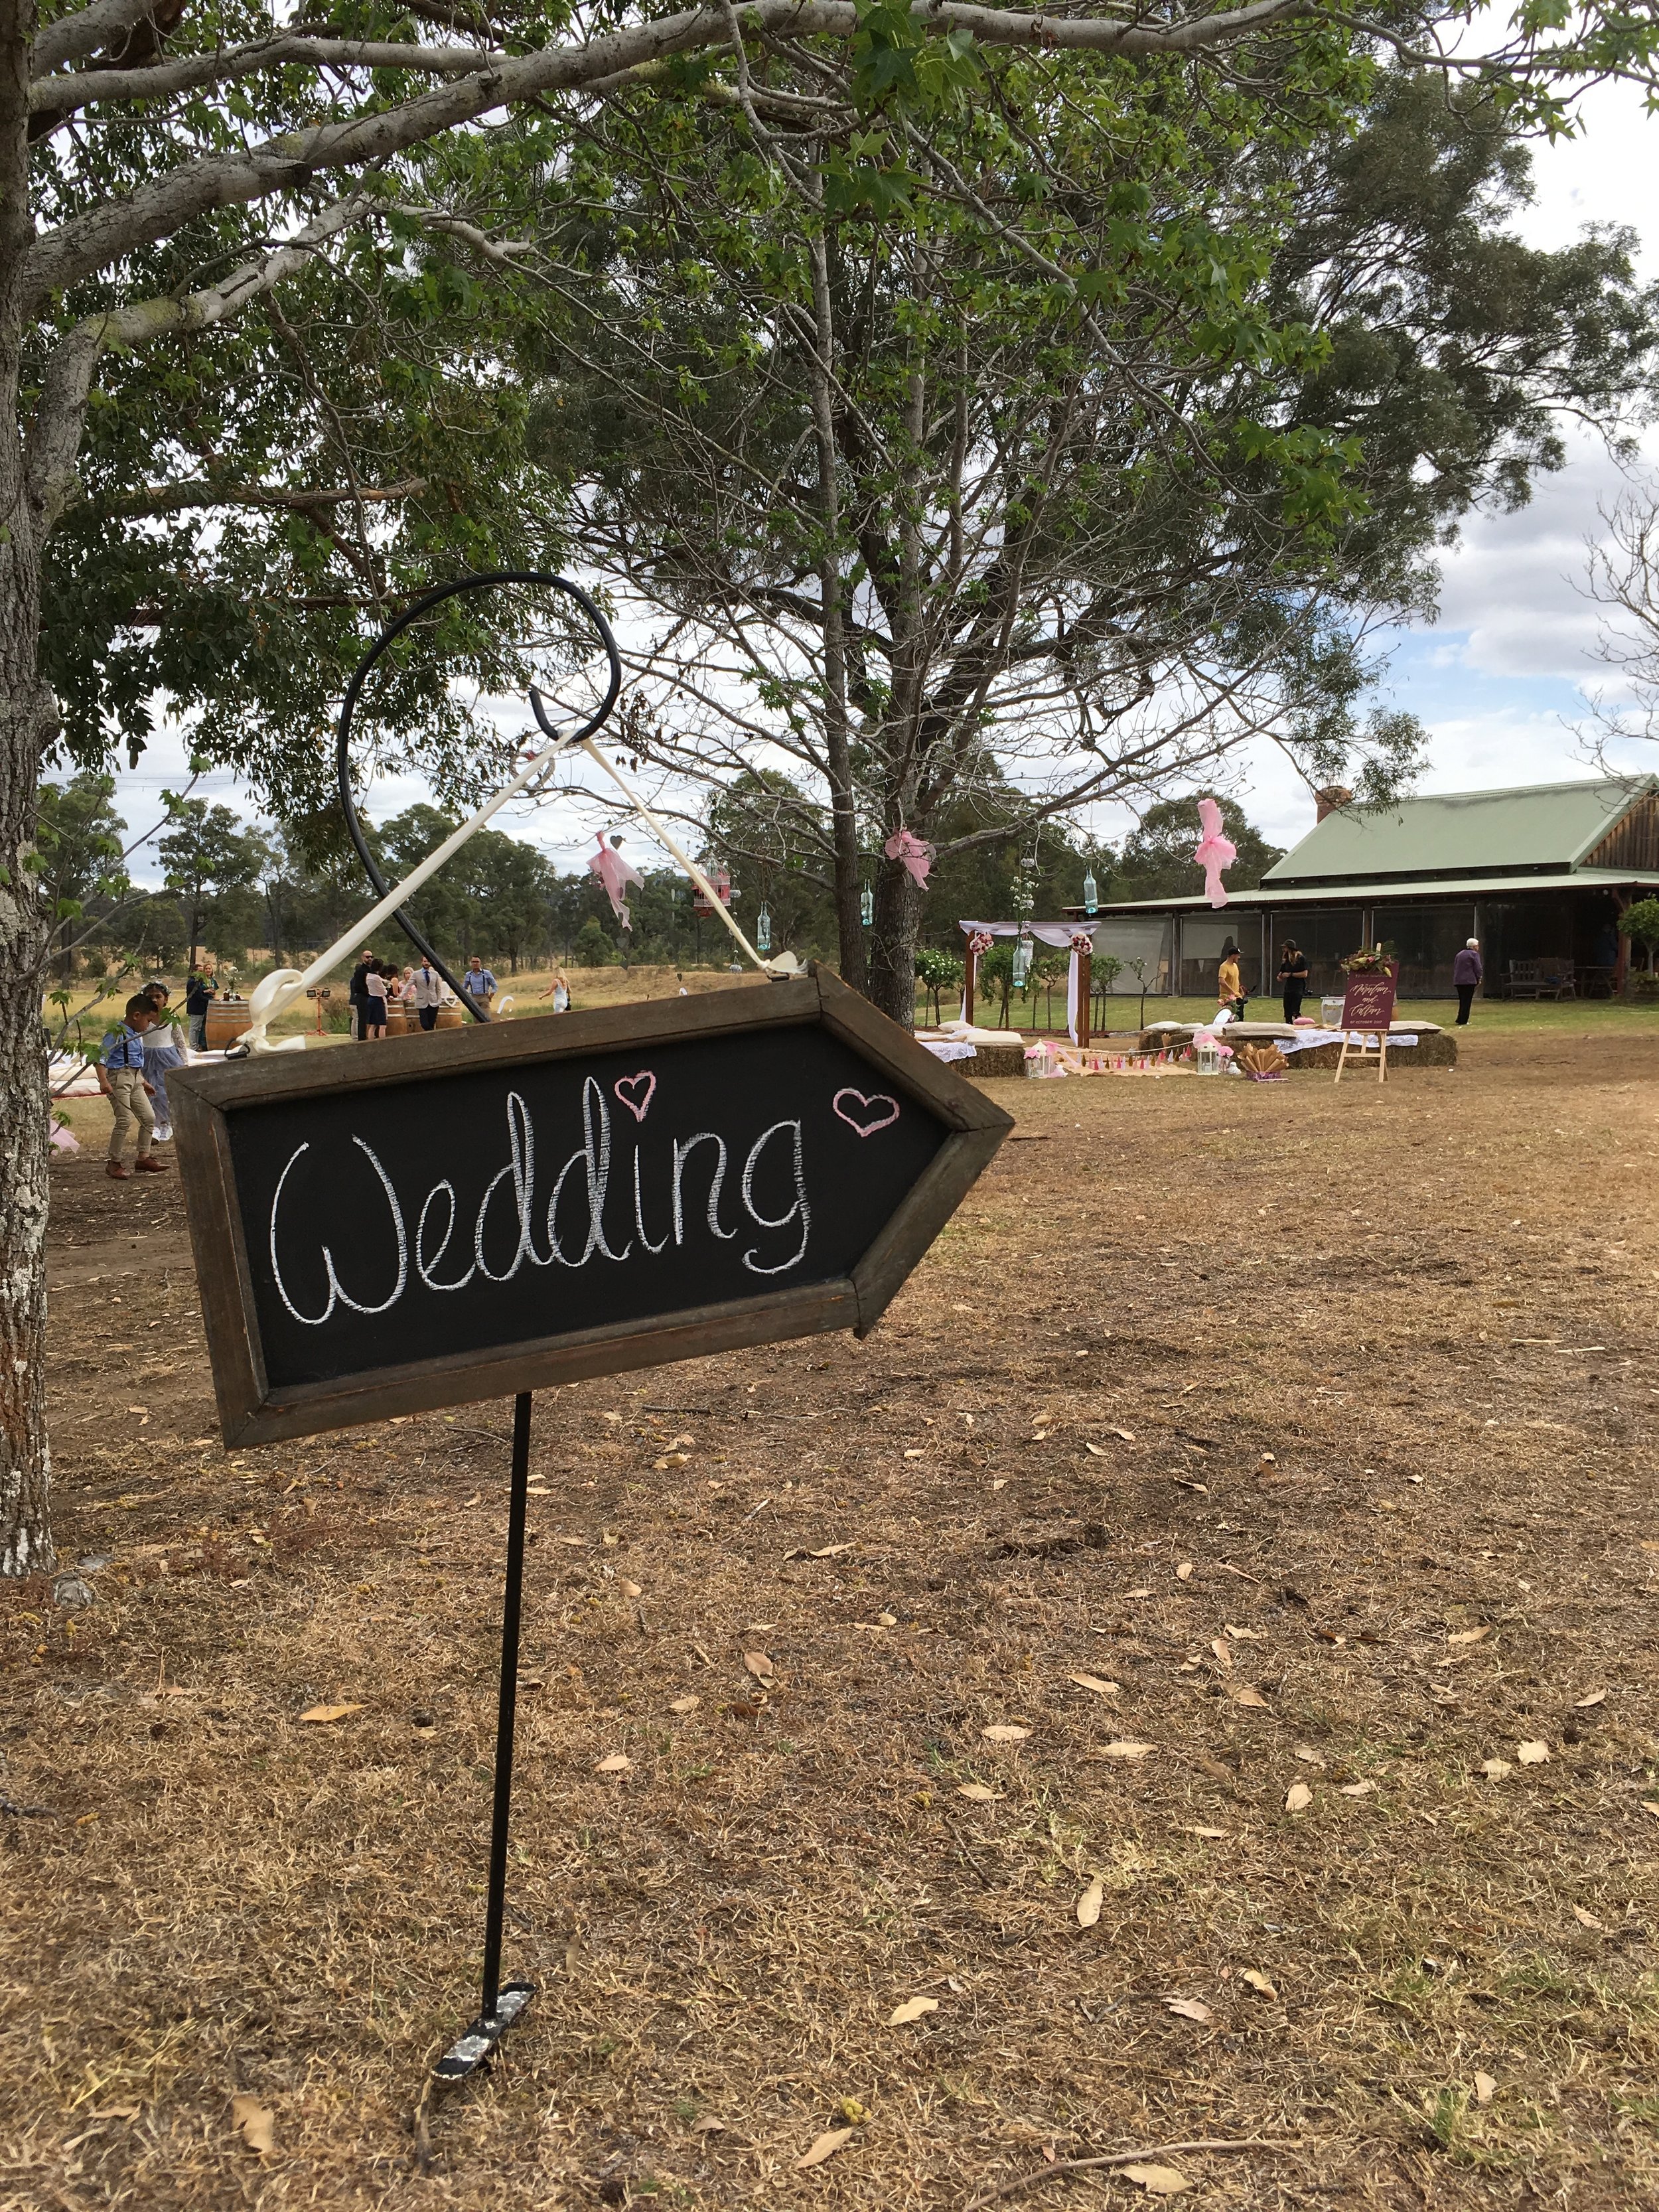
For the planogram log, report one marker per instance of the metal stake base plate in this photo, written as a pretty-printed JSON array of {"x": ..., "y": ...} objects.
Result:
[{"x": 466, "y": 2056}]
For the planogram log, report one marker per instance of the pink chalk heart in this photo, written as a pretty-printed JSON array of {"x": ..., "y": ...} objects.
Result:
[
  {"x": 630, "y": 1093},
  {"x": 866, "y": 1115}
]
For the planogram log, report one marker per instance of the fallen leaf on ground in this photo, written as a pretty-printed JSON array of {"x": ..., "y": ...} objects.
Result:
[
  {"x": 1184, "y": 1571},
  {"x": 1245, "y": 1635},
  {"x": 1002, "y": 1732},
  {"x": 1122, "y": 1749},
  {"x": 976, "y": 1793},
  {"x": 1596, "y": 1698},
  {"x": 688, "y": 1704},
  {"x": 1356, "y": 1789},
  {"x": 256, "y": 2122},
  {"x": 1157, "y": 2180},
  {"x": 627, "y": 1589},
  {"x": 1089, "y": 1905},
  {"x": 912, "y": 2009},
  {"x": 1485, "y": 2088},
  {"x": 1099, "y": 1682},
  {"x": 827, "y": 2145},
  {"x": 1137, "y": 1593},
  {"x": 1258, "y": 1981},
  {"x": 1247, "y": 1694},
  {"x": 758, "y": 1665},
  {"x": 1190, "y": 2008},
  {"x": 1127, "y": 1434},
  {"x": 1588, "y": 1919},
  {"x": 830, "y": 1551},
  {"x": 1210, "y": 1835},
  {"x": 1651, "y": 1805},
  {"x": 1495, "y": 1769},
  {"x": 1297, "y": 1797},
  {"x": 916, "y": 1451},
  {"x": 1532, "y": 1754},
  {"x": 1469, "y": 1636},
  {"x": 1223, "y": 1651},
  {"x": 329, "y": 1713},
  {"x": 1099, "y": 1450},
  {"x": 618, "y": 1763}
]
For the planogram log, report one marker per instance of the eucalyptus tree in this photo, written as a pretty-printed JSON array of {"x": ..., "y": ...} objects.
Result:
[
  {"x": 1048, "y": 455},
  {"x": 170, "y": 182}
]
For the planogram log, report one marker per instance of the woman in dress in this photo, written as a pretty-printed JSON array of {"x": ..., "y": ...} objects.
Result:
[
  {"x": 374, "y": 1005},
  {"x": 559, "y": 991},
  {"x": 163, "y": 1051}
]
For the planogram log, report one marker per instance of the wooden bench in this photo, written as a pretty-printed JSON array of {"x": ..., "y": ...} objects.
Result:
[{"x": 1542, "y": 979}]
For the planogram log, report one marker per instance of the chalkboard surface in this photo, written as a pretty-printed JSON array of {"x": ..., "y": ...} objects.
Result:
[
  {"x": 451, "y": 1212},
  {"x": 407, "y": 1218}
]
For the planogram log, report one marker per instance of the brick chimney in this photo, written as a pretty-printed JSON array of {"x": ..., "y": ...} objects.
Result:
[{"x": 1333, "y": 796}]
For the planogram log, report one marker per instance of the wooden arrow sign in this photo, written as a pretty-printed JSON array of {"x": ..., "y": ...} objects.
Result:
[{"x": 430, "y": 1220}]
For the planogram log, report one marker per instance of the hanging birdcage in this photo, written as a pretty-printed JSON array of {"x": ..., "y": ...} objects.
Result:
[{"x": 721, "y": 880}]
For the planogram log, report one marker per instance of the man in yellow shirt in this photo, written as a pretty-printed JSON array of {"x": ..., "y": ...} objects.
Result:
[{"x": 1230, "y": 983}]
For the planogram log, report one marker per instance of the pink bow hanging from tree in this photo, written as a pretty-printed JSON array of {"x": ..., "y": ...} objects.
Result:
[
  {"x": 1214, "y": 852},
  {"x": 916, "y": 856},
  {"x": 616, "y": 874}
]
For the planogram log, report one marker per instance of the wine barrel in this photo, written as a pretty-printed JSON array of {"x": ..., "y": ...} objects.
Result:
[
  {"x": 398, "y": 1022},
  {"x": 451, "y": 1017},
  {"x": 226, "y": 1020}
]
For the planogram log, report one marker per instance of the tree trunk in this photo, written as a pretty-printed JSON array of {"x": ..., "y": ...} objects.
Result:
[
  {"x": 29, "y": 718},
  {"x": 892, "y": 960}
]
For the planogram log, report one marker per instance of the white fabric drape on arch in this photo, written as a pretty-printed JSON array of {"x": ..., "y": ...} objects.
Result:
[{"x": 1060, "y": 934}]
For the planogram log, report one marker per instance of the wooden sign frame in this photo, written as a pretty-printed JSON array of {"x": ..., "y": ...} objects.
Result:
[{"x": 252, "y": 1411}]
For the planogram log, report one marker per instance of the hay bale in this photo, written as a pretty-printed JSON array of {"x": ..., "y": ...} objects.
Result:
[{"x": 1434, "y": 1048}]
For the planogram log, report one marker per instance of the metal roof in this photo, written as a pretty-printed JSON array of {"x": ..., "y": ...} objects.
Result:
[
  {"x": 1539, "y": 826},
  {"x": 1395, "y": 893}
]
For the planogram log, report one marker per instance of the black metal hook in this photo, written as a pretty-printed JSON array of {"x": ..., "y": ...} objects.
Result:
[{"x": 485, "y": 579}]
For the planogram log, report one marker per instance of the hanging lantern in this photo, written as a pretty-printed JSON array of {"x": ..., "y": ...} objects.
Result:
[
  {"x": 1022, "y": 962},
  {"x": 721, "y": 880},
  {"x": 1090, "y": 893},
  {"x": 763, "y": 930},
  {"x": 866, "y": 906}
]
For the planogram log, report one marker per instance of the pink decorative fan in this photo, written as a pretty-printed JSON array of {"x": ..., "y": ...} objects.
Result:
[
  {"x": 616, "y": 874},
  {"x": 1214, "y": 852}
]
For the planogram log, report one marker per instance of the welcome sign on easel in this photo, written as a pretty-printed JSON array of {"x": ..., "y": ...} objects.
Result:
[{"x": 1368, "y": 1010}]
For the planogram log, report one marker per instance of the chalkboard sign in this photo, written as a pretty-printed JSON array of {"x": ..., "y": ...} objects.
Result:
[{"x": 386, "y": 1227}]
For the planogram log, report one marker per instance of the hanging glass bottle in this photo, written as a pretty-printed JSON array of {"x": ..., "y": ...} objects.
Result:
[
  {"x": 1022, "y": 962},
  {"x": 866, "y": 906},
  {"x": 1090, "y": 893},
  {"x": 763, "y": 930}
]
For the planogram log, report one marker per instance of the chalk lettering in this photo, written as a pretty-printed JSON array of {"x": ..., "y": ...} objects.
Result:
[
  {"x": 594, "y": 1160},
  {"x": 338, "y": 1292},
  {"x": 684, "y": 1148},
  {"x": 799, "y": 1211}
]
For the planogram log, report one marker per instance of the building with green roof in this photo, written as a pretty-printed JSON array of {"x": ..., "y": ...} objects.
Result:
[{"x": 1540, "y": 875}]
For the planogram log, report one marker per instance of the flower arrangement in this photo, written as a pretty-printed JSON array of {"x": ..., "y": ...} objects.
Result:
[{"x": 1369, "y": 960}]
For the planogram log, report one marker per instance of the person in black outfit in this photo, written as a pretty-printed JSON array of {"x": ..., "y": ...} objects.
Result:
[
  {"x": 1292, "y": 976},
  {"x": 357, "y": 993},
  {"x": 199, "y": 997}
]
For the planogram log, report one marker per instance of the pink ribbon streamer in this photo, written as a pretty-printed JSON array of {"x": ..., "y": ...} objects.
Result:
[
  {"x": 916, "y": 857},
  {"x": 616, "y": 874},
  {"x": 1214, "y": 852}
]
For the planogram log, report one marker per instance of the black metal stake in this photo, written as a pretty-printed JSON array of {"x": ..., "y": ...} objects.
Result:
[{"x": 501, "y": 2006}]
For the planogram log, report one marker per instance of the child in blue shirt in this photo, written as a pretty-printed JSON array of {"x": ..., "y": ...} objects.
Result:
[{"x": 121, "y": 1079}]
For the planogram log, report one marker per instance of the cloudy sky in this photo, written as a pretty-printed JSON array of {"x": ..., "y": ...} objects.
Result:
[{"x": 1498, "y": 679}]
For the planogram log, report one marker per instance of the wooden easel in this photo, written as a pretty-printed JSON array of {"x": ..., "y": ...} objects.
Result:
[{"x": 1363, "y": 1056}]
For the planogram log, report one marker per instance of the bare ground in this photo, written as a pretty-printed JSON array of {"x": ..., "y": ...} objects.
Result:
[{"x": 1432, "y": 1306}]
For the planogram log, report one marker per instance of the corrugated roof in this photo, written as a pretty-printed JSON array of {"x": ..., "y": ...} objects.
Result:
[
  {"x": 1539, "y": 825},
  {"x": 1396, "y": 894}
]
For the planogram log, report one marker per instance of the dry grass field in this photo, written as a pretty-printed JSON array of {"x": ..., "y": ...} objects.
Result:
[{"x": 1203, "y": 1645}]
